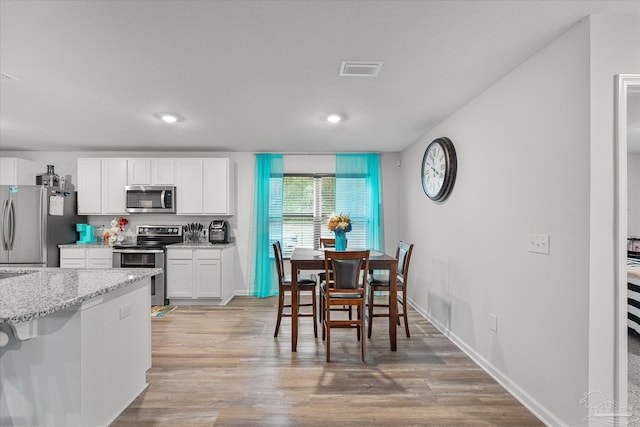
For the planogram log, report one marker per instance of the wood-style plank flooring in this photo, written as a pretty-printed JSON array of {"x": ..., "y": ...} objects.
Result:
[{"x": 221, "y": 366}]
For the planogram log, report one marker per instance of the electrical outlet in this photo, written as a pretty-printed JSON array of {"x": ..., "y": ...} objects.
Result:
[
  {"x": 538, "y": 243},
  {"x": 126, "y": 311},
  {"x": 493, "y": 322}
]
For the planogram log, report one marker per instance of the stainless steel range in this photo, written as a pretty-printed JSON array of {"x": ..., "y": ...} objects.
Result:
[{"x": 149, "y": 252}]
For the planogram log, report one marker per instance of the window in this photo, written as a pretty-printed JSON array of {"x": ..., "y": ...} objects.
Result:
[{"x": 307, "y": 203}]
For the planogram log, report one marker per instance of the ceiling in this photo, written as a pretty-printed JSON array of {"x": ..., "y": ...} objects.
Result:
[{"x": 257, "y": 75}]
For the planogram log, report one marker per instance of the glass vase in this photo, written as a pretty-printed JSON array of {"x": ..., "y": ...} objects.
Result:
[{"x": 341, "y": 240}]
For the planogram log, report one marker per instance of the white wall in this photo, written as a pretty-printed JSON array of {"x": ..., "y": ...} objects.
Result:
[
  {"x": 614, "y": 49},
  {"x": 535, "y": 155},
  {"x": 523, "y": 167},
  {"x": 242, "y": 223},
  {"x": 633, "y": 195}
]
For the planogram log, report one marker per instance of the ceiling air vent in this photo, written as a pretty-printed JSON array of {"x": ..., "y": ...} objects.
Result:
[
  {"x": 5, "y": 76},
  {"x": 360, "y": 68}
]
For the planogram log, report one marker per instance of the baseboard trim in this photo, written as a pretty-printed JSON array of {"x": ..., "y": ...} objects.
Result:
[{"x": 541, "y": 412}]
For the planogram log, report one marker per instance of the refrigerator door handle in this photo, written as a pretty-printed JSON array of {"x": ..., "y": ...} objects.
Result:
[
  {"x": 3, "y": 224},
  {"x": 12, "y": 224}
]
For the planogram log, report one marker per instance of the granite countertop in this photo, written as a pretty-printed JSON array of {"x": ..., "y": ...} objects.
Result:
[
  {"x": 41, "y": 292},
  {"x": 200, "y": 245},
  {"x": 85, "y": 245}
]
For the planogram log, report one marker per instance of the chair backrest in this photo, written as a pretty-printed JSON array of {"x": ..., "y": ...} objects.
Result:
[
  {"x": 277, "y": 253},
  {"x": 403, "y": 255},
  {"x": 326, "y": 242},
  {"x": 349, "y": 269}
]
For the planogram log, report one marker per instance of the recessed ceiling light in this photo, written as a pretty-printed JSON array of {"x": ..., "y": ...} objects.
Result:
[
  {"x": 334, "y": 118},
  {"x": 169, "y": 117}
]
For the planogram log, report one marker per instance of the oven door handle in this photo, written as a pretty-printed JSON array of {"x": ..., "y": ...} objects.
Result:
[{"x": 137, "y": 251}]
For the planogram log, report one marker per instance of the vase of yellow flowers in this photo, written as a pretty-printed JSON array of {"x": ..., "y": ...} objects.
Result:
[{"x": 340, "y": 225}]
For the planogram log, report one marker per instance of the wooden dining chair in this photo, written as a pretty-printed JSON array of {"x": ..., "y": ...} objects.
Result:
[
  {"x": 306, "y": 283},
  {"x": 348, "y": 288},
  {"x": 403, "y": 255},
  {"x": 329, "y": 243}
]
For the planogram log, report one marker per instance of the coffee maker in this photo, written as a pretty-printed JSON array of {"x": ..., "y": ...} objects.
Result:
[{"x": 219, "y": 231}]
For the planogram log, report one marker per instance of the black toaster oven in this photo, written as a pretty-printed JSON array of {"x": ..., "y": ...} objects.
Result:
[{"x": 219, "y": 231}]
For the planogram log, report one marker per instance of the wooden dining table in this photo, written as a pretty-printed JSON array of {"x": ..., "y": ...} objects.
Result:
[{"x": 310, "y": 259}]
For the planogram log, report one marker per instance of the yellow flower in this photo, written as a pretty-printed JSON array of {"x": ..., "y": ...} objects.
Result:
[{"x": 341, "y": 221}]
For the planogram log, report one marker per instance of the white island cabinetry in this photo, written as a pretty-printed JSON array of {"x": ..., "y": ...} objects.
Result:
[
  {"x": 200, "y": 275},
  {"x": 78, "y": 353}
]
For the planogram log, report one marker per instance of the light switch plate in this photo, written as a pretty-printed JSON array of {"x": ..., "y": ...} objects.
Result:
[
  {"x": 493, "y": 322},
  {"x": 538, "y": 243}
]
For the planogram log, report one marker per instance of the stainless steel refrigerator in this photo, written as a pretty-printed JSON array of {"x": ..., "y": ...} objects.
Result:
[{"x": 33, "y": 224}]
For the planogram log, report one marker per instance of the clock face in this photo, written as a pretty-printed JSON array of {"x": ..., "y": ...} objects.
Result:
[{"x": 439, "y": 169}]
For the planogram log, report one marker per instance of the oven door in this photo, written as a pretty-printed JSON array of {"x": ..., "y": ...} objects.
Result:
[{"x": 140, "y": 258}]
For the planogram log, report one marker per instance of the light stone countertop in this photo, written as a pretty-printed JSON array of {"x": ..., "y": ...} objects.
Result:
[
  {"x": 44, "y": 291},
  {"x": 201, "y": 245},
  {"x": 85, "y": 245}
]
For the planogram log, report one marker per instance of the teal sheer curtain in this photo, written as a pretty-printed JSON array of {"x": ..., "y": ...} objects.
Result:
[
  {"x": 359, "y": 193},
  {"x": 267, "y": 223}
]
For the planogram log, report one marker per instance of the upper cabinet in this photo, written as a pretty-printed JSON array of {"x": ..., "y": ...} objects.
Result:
[
  {"x": 101, "y": 185},
  {"x": 205, "y": 186},
  {"x": 15, "y": 171},
  {"x": 89, "y": 186},
  {"x": 114, "y": 181},
  {"x": 151, "y": 172}
]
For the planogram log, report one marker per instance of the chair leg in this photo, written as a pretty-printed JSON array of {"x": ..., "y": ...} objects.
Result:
[
  {"x": 370, "y": 312},
  {"x": 404, "y": 314},
  {"x": 280, "y": 308},
  {"x": 361, "y": 328},
  {"x": 327, "y": 320},
  {"x": 315, "y": 313},
  {"x": 359, "y": 313},
  {"x": 321, "y": 297}
]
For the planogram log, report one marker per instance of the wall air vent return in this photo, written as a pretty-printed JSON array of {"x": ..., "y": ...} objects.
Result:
[
  {"x": 5, "y": 76},
  {"x": 360, "y": 68}
]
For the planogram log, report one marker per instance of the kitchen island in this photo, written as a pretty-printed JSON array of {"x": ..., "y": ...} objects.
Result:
[{"x": 75, "y": 345}]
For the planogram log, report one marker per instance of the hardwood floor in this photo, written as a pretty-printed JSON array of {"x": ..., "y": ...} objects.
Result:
[{"x": 221, "y": 366}]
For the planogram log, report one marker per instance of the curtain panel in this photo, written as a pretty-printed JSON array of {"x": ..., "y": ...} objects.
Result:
[
  {"x": 355, "y": 173},
  {"x": 267, "y": 222}
]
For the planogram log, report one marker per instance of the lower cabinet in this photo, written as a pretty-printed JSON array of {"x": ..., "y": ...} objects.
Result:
[
  {"x": 200, "y": 276},
  {"x": 90, "y": 257}
]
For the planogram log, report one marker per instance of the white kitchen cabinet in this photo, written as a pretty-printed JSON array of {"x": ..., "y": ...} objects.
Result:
[
  {"x": 189, "y": 186},
  {"x": 163, "y": 172},
  {"x": 114, "y": 181},
  {"x": 205, "y": 186},
  {"x": 15, "y": 171},
  {"x": 101, "y": 185},
  {"x": 99, "y": 258},
  {"x": 89, "y": 186},
  {"x": 207, "y": 274},
  {"x": 200, "y": 276},
  {"x": 179, "y": 273},
  {"x": 151, "y": 172},
  {"x": 73, "y": 258},
  {"x": 139, "y": 171},
  {"x": 89, "y": 257}
]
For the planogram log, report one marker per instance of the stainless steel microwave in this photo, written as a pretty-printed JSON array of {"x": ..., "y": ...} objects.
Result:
[{"x": 151, "y": 198}]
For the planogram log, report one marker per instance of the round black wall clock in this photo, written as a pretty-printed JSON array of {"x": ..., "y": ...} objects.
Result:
[{"x": 439, "y": 167}]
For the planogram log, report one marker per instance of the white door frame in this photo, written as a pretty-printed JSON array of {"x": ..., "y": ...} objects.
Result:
[{"x": 625, "y": 84}]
